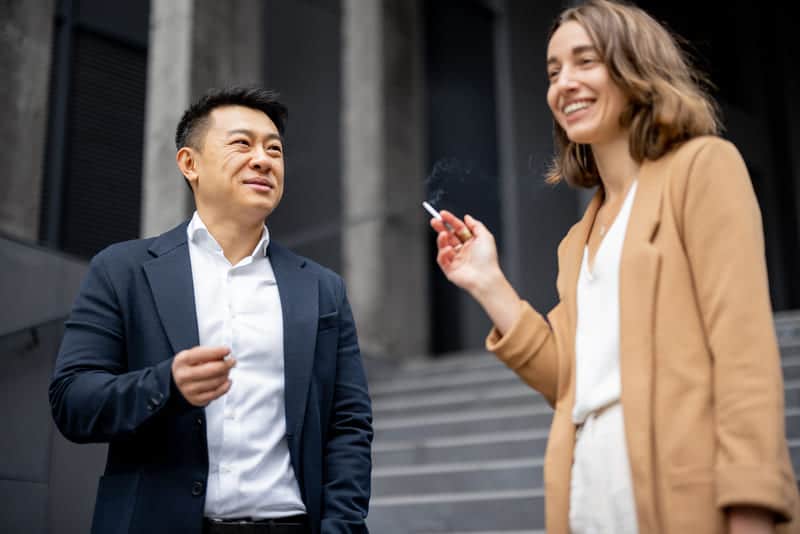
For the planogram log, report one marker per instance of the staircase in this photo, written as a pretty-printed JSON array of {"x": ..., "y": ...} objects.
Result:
[{"x": 459, "y": 443}]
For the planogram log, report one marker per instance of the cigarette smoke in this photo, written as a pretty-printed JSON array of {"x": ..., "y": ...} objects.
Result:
[{"x": 447, "y": 174}]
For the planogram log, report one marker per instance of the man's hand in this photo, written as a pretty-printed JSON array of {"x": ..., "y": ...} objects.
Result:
[
  {"x": 750, "y": 520},
  {"x": 201, "y": 373}
]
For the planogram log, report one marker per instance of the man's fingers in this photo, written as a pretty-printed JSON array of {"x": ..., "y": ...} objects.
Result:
[
  {"x": 204, "y": 371},
  {"x": 201, "y": 354},
  {"x": 201, "y": 387},
  {"x": 204, "y": 398}
]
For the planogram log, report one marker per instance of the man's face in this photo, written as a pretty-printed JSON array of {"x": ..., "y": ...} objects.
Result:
[{"x": 239, "y": 166}]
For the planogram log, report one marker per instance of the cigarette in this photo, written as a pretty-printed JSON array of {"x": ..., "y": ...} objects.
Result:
[{"x": 463, "y": 235}]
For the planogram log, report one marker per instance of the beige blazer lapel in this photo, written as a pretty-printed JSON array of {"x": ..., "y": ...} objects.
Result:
[{"x": 639, "y": 272}]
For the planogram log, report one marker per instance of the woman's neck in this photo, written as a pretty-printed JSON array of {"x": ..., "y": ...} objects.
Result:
[{"x": 617, "y": 168}]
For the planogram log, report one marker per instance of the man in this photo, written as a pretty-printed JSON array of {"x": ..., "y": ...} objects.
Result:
[{"x": 223, "y": 370}]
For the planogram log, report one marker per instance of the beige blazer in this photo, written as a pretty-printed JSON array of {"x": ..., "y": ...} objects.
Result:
[{"x": 702, "y": 390}]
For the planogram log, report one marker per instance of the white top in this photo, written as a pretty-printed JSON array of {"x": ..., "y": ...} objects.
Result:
[
  {"x": 597, "y": 333},
  {"x": 238, "y": 306}
]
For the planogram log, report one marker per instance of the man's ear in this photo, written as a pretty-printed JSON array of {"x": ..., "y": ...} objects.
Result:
[{"x": 186, "y": 158}]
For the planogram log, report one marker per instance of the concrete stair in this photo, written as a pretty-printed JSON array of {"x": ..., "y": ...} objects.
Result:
[{"x": 459, "y": 443}]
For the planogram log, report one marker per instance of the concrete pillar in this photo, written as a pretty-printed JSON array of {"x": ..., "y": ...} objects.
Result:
[
  {"x": 194, "y": 45},
  {"x": 25, "y": 57},
  {"x": 385, "y": 235},
  {"x": 536, "y": 216}
]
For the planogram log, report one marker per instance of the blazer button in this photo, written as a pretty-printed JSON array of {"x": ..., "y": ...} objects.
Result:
[
  {"x": 198, "y": 421},
  {"x": 197, "y": 488},
  {"x": 154, "y": 402}
]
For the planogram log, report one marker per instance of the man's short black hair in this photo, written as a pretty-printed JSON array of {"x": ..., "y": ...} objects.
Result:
[{"x": 195, "y": 119}]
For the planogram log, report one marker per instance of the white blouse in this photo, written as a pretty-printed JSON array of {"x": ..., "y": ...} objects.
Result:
[{"x": 597, "y": 333}]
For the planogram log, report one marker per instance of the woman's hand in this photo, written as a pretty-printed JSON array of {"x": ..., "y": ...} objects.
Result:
[
  {"x": 750, "y": 520},
  {"x": 473, "y": 266}
]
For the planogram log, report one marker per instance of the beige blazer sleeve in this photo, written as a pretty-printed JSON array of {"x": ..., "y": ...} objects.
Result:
[
  {"x": 529, "y": 348},
  {"x": 723, "y": 236}
]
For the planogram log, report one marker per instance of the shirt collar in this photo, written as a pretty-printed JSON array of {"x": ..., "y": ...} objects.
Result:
[{"x": 198, "y": 233}]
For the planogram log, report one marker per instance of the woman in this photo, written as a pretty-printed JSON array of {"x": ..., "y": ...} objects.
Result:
[{"x": 660, "y": 359}]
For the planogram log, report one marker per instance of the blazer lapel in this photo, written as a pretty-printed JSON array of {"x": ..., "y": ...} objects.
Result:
[
  {"x": 298, "y": 289},
  {"x": 639, "y": 273},
  {"x": 170, "y": 277}
]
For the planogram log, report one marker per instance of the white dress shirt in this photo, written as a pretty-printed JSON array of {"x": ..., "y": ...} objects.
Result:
[
  {"x": 597, "y": 378},
  {"x": 238, "y": 306}
]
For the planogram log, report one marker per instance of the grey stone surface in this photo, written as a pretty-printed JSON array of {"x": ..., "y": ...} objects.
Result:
[
  {"x": 24, "y": 405},
  {"x": 38, "y": 284},
  {"x": 74, "y": 475},
  {"x": 474, "y": 448},
  {"x": 384, "y": 242},
  {"x": 165, "y": 196},
  {"x": 492, "y": 512},
  {"x": 194, "y": 46},
  {"x": 494, "y": 475},
  {"x": 25, "y": 50},
  {"x": 444, "y": 424},
  {"x": 23, "y": 507}
]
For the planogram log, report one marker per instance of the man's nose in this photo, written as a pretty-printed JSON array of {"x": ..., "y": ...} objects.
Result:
[{"x": 259, "y": 158}]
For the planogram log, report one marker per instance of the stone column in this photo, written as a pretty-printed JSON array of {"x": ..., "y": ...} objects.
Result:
[
  {"x": 25, "y": 56},
  {"x": 385, "y": 235},
  {"x": 194, "y": 45}
]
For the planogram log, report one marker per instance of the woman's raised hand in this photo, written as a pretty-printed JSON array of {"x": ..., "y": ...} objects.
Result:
[
  {"x": 468, "y": 265},
  {"x": 473, "y": 266}
]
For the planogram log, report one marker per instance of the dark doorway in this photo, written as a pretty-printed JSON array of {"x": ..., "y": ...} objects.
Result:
[{"x": 462, "y": 147}]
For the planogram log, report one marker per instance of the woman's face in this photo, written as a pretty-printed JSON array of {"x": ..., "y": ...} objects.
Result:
[{"x": 583, "y": 98}]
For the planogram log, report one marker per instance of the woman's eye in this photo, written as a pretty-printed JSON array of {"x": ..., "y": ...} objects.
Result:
[{"x": 552, "y": 74}]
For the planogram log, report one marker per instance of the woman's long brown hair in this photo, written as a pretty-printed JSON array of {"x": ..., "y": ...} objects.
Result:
[{"x": 668, "y": 103}]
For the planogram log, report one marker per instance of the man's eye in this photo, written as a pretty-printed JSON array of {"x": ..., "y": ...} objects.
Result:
[
  {"x": 276, "y": 148},
  {"x": 242, "y": 142},
  {"x": 551, "y": 75}
]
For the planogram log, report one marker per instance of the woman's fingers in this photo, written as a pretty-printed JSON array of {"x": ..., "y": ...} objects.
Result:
[{"x": 445, "y": 239}]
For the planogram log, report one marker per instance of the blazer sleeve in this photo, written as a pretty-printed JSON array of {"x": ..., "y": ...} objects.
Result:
[
  {"x": 724, "y": 243},
  {"x": 348, "y": 463},
  {"x": 529, "y": 349},
  {"x": 93, "y": 395}
]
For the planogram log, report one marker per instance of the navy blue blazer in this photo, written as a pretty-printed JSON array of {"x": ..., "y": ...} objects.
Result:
[{"x": 113, "y": 383}]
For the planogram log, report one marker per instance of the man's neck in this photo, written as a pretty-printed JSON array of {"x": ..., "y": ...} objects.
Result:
[{"x": 237, "y": 237}]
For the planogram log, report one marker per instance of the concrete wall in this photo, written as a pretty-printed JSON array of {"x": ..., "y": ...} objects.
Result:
[
  {"x": 385, "y": 238},
  {"x": 194, "y": 45},
  {"x": 25, "y": 50},
  {"x": 46, "y": 483}
]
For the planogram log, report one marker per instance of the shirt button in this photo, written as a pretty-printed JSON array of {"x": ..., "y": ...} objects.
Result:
[{"x": 197, "y": 488}]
